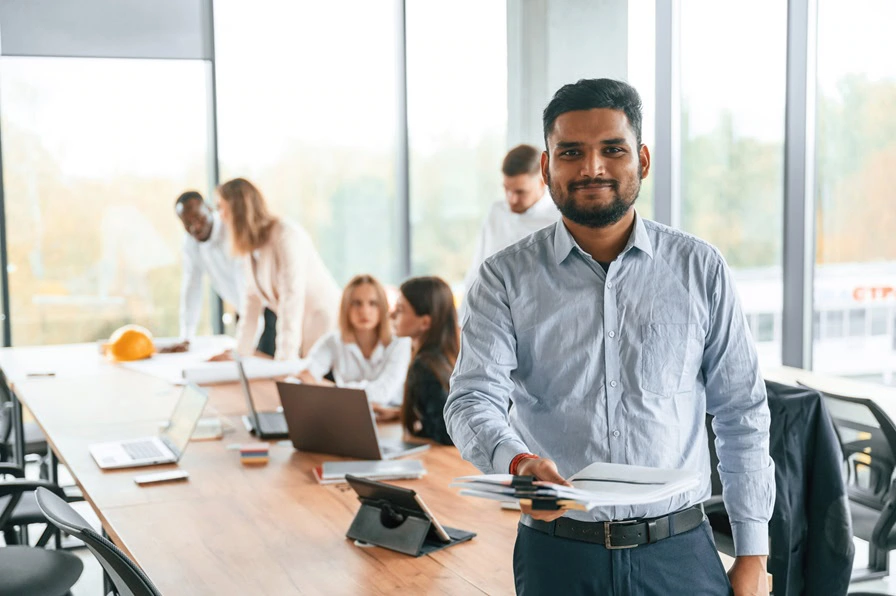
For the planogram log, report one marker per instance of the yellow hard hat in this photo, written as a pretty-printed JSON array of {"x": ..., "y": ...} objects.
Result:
[{"x": 131, "y": 342}]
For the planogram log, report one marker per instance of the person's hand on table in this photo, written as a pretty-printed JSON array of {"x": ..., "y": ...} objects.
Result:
[
  {"x": 546, "y": 470},
  {"x": 225, "y": 356},
  {"x": 386, "y": 413},
  {"x": 306, "y": 377},
  {"x": 749, "y": 576},
  {"x": 176, "y": 348}
]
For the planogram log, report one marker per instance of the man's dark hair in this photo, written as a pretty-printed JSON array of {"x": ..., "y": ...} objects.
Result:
[
  {"x": 185, "y": 198},
  {"x": 588, "y": 94},
  {"x": 522, "y": 159}
]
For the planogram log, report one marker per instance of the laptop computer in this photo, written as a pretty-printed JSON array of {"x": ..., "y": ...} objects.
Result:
[
  {"x": 264, "y": 425},
  {"x": 166, "y": 448},
  {"x": 337, "y": 421}
]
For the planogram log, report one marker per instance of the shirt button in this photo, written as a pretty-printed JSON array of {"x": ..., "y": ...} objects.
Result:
[
  {"x": 613, "y": 383},
  {"x": 612, "y": 334},
  {"x": 616, "y": 434},
  {"x": 609, "y": 284}
]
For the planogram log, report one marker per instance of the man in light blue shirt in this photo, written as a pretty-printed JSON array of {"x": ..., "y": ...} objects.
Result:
[{"x": 612, "y": 337}]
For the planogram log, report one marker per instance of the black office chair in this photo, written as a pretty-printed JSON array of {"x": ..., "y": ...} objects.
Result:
[
  {"x": 868, "y": 440},
  {"x": 5, "y": 431},
  {"x": 810, "y": 533},
  {"x": 128, "y": 579},
  {"x": 27, "y": 570},
  {"x": 20, "y": 510},
  {"x": 35, "y": 442},
  {"x": 30, "y": 570}
]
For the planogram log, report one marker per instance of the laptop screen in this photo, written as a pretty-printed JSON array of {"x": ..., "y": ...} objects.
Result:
[
  {"x": 244, "y": 381},
  {"x": 185, "y": 416}
]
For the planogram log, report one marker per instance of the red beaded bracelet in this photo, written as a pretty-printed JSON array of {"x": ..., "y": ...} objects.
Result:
[{"x": 515, "y": 462}]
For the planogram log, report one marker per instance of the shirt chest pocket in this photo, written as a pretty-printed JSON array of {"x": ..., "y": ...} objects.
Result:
[{"x": 671, "y": 355}]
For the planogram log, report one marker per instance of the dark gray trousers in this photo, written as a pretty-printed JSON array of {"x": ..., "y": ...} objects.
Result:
[
  {"x": 683, "y": 564},
  {"x": 267, "y": 343}
]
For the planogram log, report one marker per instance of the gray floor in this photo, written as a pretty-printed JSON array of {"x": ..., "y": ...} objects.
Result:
[{"x": 886, "y": 585}]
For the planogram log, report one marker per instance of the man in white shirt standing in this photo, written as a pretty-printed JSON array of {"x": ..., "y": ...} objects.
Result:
[
  {"x": 526, "y": 207},
  {"x": 206, "y": 249}
]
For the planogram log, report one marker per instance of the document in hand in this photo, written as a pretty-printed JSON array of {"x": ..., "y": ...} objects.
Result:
[{"x": 600, "y": 484}]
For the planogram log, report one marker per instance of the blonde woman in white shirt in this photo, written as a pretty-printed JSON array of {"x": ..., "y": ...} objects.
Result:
[
  {"x": 363, "y": 354},
  {"x": 283, "y": 272}
]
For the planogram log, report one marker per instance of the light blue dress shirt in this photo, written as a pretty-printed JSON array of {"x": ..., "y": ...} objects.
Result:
[{"x": 618, "y": 366}]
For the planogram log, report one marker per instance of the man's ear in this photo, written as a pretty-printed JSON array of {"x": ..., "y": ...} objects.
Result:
[
  {"x": 545, "y": 162},
  {"x": 644, "y": 157}
]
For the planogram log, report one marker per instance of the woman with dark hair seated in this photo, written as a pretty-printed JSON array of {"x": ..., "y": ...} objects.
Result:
[{"x": 425, "y": 312}]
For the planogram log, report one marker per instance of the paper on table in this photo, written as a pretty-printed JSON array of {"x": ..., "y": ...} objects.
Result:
[
  {"x": 599, "y": 484},
  {"x": 193, "y": 365},
  {"x": 206, "y": 373},
  {"x": 170, "y": 367}
]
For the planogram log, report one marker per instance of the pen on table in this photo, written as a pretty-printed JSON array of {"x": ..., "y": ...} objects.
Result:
[{"x": 40, "y": 374}]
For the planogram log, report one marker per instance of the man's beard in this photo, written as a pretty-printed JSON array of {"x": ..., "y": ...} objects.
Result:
[{"x": 594, "y": 215}]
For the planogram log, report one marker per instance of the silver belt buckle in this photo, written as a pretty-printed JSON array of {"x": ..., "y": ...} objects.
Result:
[{"x": 607, "y": 540}]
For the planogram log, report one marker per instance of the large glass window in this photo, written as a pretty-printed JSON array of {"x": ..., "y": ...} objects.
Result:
[
  {"x": 856, "y": 222},
  {"x": 307, "y": 110},
  {"x": 457, "y": 113},
  {"x": 732, "y": 125},
  {"x": 642, "y": 75},
  {"x": 95, "y": 152}
]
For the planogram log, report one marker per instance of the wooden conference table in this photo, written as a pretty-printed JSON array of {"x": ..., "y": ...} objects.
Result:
[{"x": 232, "y": 529}]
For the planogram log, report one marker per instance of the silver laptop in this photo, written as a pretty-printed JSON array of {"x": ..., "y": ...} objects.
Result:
[
  {"x": 264, "y": 425},
  {"x": 337, "y": 421},
  {"x": 166, "y": 448}
]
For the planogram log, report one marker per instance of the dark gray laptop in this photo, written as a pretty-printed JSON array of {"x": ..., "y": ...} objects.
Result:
[
  {"x": 264, "y": 425},
  {"x": 337, "y": 421}
]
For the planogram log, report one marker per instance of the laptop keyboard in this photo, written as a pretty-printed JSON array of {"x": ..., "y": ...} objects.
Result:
[
  {"x": 141, "y": 450},
  {"x": 272, "y": 423}
]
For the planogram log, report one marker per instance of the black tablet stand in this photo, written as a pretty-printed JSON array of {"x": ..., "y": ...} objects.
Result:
[{"x": 382, "y": 523}]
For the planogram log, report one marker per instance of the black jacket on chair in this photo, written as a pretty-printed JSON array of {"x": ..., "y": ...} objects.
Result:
[{"x": 810, "y": 531}]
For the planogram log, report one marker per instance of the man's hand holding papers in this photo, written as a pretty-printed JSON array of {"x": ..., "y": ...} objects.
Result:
[
  {"x": 545, "y": 470},
  {"x": 599, "y": 484}
]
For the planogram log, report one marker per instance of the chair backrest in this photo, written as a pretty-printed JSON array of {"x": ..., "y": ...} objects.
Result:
[
  {"x": 5, "y": 430},
  {"x": 5, "y": 391},
  {"x": 868, "y": 439},
  {"x": 129, "y": 580}
]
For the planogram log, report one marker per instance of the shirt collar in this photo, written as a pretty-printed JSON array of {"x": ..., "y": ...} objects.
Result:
[
  {"x": 639, "y": 238},
  {"x": 539, "y": 207},
  {"x": 375, "y": 357},
  {"x": 564, "y": 243},
  {"x": 542, "y": 205},
  {"x": 217, "y": 231}
]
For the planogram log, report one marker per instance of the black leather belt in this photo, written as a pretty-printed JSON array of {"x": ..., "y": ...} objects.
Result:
[{"x": 625, "y": 533}]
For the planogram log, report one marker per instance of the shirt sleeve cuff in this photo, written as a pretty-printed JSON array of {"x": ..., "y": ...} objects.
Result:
[
  {"x": 750, "y": 538},
  {"x": 504, "y": 454}
]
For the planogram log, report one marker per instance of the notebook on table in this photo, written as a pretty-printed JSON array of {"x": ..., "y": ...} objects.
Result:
[{"x": 333, "y": 472}]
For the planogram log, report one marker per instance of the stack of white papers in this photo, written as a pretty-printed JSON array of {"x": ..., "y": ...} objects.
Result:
[
  {"x": 332, "y": 472},
  {"x": 598, "y": 485}
]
